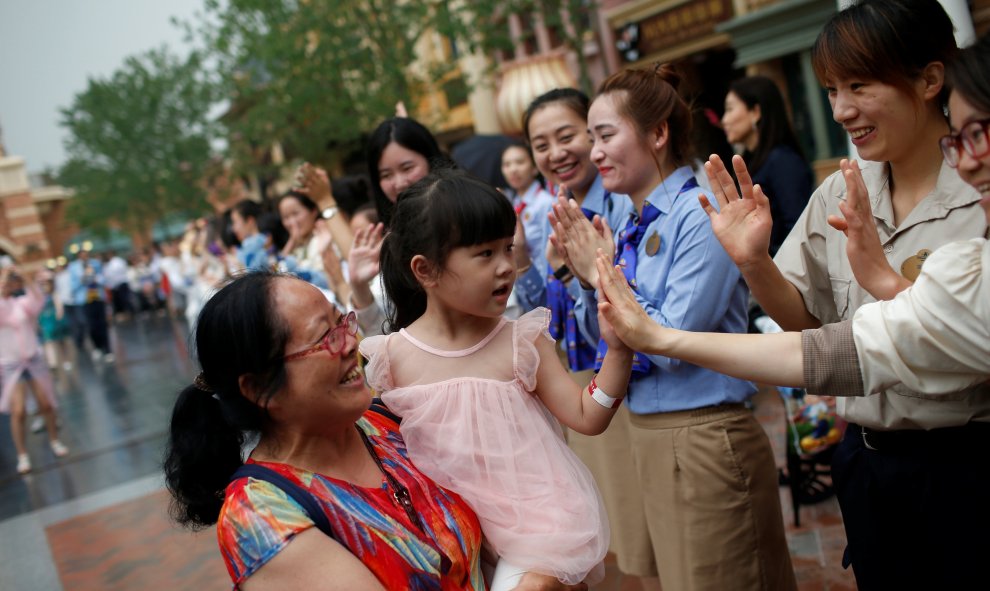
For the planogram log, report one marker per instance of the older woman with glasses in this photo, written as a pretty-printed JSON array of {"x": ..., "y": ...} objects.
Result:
[{"x": 327, "y": 498}]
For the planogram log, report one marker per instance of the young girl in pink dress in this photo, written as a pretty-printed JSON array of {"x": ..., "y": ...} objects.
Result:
[{"x": 479, "y": 395}]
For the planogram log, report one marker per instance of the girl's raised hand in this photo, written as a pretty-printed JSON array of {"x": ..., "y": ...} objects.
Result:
[
  {"x": 618, "y": 306},
  {"x": 742, "y": 223},
  {"x": 863, "y": 248}
]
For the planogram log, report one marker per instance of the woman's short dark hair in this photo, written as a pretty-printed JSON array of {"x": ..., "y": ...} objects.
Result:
[
  {"x": 247, "y": 208},
  {"x": 773, "y": 128},
  {"x": 969, "y": 74},
  {"x": 573, "y": 99},
  {"x": 442, "y": 211},
  {"x": 411, "y": 135},
  {"x": 239, "y": 333},
  {"x": 891, "y": 41}
]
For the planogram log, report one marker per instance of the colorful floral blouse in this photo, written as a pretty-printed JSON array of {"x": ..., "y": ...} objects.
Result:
[{"x": 258, "y": 520}]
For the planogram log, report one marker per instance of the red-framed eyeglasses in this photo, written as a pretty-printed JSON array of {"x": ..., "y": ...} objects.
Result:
[
  {"x": 334, "y": 340},
  {"x": 972, "y": 138}
]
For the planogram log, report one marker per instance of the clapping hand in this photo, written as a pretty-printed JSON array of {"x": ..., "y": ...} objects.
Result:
[
  {"x": 577, "y": 239},
  {"x": 742, "y": 222},
  {"x": 314, "y": 182}
]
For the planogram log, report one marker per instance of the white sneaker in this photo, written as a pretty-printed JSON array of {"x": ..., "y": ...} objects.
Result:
[
  {"x": 109, "y": 358},
  {"x": 58, "y": 448},
  {"x": 67, "y": 365},
  {"x": 23, "y": 464},
  {"x": 37, "y": 424},
  {"x": 95, "y": 354}
]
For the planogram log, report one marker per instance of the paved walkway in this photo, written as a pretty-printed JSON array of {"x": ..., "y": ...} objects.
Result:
[{"x": 97, "y": 519}]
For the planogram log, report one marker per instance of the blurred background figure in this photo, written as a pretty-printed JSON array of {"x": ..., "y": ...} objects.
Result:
[
  {"x": 22, "y": 362},
  {"x": 86, "y": 281},
  {"x": 115, "y": 277},
  {"x": 54, "y": 324},
  {"x": 756, "y": 121}
]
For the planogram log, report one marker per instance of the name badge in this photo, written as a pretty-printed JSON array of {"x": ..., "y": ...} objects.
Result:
[
  {"x": 911, "y": 267},
  {"x": 653, "y": 244}
]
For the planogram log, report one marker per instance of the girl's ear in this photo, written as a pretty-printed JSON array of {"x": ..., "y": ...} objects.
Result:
[{"x": 423, "y": 270}]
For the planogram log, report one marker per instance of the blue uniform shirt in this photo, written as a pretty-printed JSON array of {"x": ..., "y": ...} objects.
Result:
[{"x": 689, "y": 283}]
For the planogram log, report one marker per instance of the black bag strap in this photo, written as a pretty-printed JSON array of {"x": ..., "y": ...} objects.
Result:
[{"x": 300, "y": 495}]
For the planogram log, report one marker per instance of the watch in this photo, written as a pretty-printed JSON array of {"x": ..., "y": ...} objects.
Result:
[{"x": 329, "y": 212}]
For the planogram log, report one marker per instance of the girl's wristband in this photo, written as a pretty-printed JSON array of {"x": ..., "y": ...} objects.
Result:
[{"x": 600, "y": 396}]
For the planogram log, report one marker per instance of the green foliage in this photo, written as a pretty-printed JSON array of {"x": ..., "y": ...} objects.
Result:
[
  {"x": 317, "y": 74},
  {"x": 139, "y": 143}
]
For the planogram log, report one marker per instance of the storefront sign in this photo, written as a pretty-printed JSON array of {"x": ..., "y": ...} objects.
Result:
[{"x": 671, "y": 27}]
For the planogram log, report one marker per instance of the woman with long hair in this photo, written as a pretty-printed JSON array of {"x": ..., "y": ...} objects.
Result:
[{"x": 756, "y": 119}]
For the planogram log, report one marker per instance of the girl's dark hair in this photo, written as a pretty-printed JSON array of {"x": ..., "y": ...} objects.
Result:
[
  {"x": 891, "y": 41},
  {"x": 648, "y": 98},
  {"x": 573, "y": 99},
  {"x": 969, "y": 74},
  {"x": 238, "y": 333},
  {"x": 302, "y": 198},
  {"x": 411, "y": 135},
  {"x": 445, "y": 210},
  {"x": 773, "y": 128}
]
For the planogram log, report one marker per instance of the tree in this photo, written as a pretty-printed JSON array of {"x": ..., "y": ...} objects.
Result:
[{"x": 139, "y": 143}]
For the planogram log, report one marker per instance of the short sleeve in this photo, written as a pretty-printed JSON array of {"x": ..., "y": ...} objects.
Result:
[
  {"x": 256, "y": 522},
  {"x": 803, "y": 257},
  {"x": 378, "y": 371},
  {"x": 526, "y": 358}
]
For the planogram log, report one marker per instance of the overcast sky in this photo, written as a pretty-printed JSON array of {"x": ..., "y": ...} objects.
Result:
[{"x": 50, "y": 48}]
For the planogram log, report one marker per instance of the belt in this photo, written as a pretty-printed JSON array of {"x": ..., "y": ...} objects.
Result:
[{"x": 914, "y": 439}]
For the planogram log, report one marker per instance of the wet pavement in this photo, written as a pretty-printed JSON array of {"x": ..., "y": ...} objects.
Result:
[{"x": 98, "y": 518}]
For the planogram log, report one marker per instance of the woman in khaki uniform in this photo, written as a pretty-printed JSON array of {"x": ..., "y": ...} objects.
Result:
[{"x": 883, "y": 64}]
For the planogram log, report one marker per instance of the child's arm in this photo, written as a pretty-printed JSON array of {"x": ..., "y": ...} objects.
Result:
[{"x": 573, "y": 405}]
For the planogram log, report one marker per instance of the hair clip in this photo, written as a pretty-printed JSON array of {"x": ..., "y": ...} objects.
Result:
[{"x": 200, "y": 384}]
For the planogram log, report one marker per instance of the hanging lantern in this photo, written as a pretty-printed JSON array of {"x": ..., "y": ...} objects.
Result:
[{"x": 524, "y": 80}]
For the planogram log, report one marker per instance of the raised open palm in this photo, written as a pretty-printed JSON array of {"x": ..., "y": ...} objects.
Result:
[{"x": 743, "y": 222}]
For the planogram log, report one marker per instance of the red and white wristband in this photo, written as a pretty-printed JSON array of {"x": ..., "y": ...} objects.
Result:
[{"x": 600, "y": 396}]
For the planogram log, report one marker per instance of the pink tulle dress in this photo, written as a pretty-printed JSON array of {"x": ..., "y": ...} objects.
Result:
[{"x": 472, "y": 423}]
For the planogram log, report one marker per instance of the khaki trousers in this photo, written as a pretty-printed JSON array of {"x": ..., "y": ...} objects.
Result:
[{"x": 710, "y": 494}]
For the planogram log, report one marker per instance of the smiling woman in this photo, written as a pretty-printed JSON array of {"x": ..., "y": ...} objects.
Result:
[
  {"x": 700, "y": 457},
  {"x": 279, "y": 362}
]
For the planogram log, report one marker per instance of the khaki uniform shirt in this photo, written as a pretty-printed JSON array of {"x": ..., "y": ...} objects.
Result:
[{"x": 813, "y": 258}]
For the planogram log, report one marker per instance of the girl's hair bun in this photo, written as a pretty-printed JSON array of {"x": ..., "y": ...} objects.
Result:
[{"x": 667, "y": 72}]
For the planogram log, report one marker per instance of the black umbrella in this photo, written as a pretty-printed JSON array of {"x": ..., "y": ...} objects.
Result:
[{"x": 481, "y": 155}]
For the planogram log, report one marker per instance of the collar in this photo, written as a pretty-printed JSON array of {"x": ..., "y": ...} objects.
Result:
[
  {"x": 662, "y": 197},
  {"x": 950, "y": 192}
]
